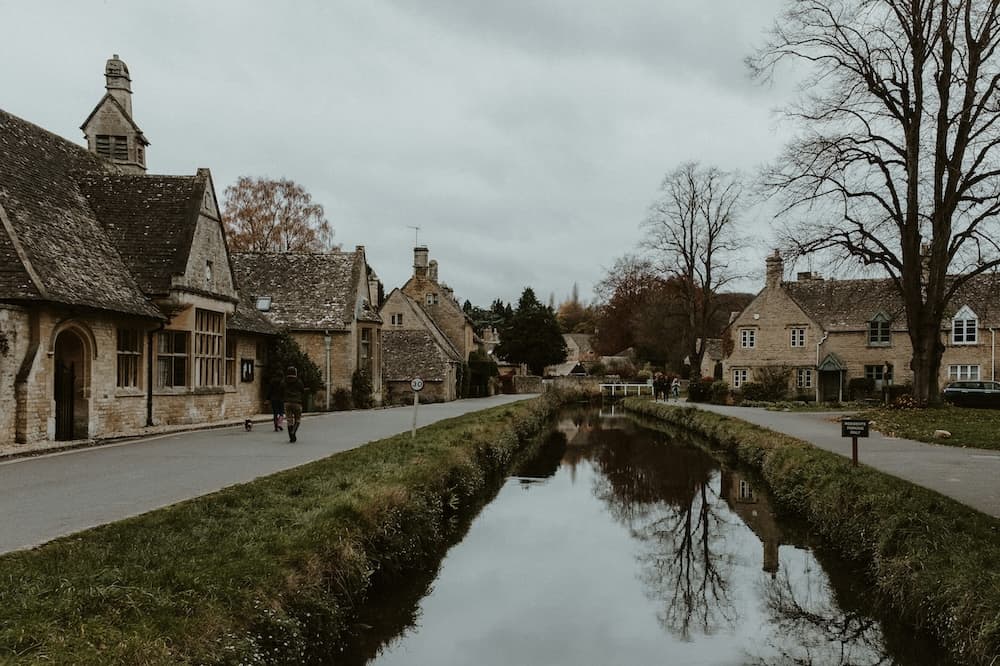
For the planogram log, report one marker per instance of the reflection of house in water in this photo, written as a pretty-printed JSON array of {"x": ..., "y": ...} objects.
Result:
[{"x": 753, "y": 506}]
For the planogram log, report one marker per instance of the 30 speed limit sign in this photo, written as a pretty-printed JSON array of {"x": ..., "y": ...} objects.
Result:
[{"x": 416, "y": 383}]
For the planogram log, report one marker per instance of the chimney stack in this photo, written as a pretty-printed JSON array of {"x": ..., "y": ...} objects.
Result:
[
  {"x": 432, "y": 271},
  {"x": 420, "y": 261},
  {"x": 775, "y": 270}
]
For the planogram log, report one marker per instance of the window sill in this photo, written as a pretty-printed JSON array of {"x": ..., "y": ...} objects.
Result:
[
  {"x": 130, "y": 393},
  {"x": 965, "y": 344}
]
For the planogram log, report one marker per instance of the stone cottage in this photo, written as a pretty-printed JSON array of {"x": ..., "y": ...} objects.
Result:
[
  {"x": 827, "y": 332},
  {"x": 118, "y": 307},
  {"x": 328, "y": 303},
  {"x": 414, "y": 346},
  {"x": 438, "y": 301}
]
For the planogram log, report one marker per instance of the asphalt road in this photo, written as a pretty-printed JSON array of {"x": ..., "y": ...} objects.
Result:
[
  {"x": 971, "y": 476},
  {"x": 49, "y": 496}
]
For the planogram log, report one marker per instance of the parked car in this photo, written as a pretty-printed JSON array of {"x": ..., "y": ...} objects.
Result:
[{"x": 973, "y": 394}]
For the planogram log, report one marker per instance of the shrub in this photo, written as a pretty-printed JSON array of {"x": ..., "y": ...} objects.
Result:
[
  {"x": 597, "y": 369},
  {"x": 754, "y": 391},
  {"x": 643, "y": 375},
  {"x": 859, "y": 388},
  {"x": 361, "y": 389},
  {"x": 719, "y": 392},
  {"x": 773, "y": 381},
  {"x": 341, "y": 400},
  {"x": 700, "y": 390},
  {"x": 283, "y": 353},
  {"x": 905, "y": 401}
]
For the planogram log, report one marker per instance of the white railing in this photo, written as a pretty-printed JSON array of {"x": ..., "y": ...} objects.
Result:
[{"x": 627, "y": 389}]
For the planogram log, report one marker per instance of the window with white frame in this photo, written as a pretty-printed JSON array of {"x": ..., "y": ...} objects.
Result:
[
  {"x": 739, "y": 377},
  {"x": 879, "y": 332},
  {"x": 748, "y": 338},
  {"x": 803, "y": 378},
  {"x": 876, "y": 372},
  {"x": 432, "y": 299},
  {"x": 397, "y": 319},
  {"x": 798, "y": 336},
  {"x": 129, "y": 353},
  {"x": 745, "y": 491},
  {"x": 963, "y": 372},
  {"x": 964, "y": 327}
]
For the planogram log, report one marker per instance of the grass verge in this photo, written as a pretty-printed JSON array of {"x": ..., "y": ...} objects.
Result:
[
  {"x": 977, "y": 428},
  {"x": 265, "y": 572},
  {"x": 934, "y": 560}
]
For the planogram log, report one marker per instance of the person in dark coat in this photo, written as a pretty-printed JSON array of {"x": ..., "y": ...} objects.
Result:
[
  {"x": 294, "y": 392},
  {"x": 277, "y": 400}
]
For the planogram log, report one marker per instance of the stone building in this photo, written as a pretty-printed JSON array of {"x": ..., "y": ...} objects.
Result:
[
  {"x": 328, "y": 303},
  {"x": 414, "y": 346},
  {"x": 827, "y": 332},
  {"x": 438, "y": 301},
  {"x": 118, "y": 307}
]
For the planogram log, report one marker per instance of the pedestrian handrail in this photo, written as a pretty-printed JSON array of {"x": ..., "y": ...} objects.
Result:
[{"x": 627, "y": 389}]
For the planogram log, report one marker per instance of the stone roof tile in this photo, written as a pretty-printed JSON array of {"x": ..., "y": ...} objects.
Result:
[{"x": 413, "y": 353}]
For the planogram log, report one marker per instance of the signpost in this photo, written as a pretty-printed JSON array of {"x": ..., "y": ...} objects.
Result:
[
  {"x": 854, "y": 428},
  {"x": 417, "y": 384}
]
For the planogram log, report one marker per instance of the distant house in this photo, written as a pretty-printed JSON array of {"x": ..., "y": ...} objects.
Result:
[
  {"x": 438, "y": 301},
  {"x": 579, "y": 347},
  {"x": 414, "y": 346},
  {"x": 118, "y": 306},
  {"x": 828, "y": 332},
  {"x": 326, "y": 301},
  {"x": 711, "y": 360}
]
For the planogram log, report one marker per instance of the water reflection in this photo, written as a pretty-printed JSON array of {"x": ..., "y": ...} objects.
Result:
[{"x": 635, "y": 546}]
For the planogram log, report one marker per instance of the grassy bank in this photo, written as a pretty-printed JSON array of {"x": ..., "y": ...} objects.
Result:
[
  {"x": 977, "y": 428},
  {"x": 265, "y": 572},
  {"x": 935, "y": 561}
]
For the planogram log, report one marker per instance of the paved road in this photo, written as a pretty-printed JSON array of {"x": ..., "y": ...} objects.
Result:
[
  {"x": 971, "y": 476},
  {"x": 49, "y": 496}
]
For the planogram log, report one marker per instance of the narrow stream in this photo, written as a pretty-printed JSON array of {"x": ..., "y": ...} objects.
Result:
[{"x": 622, "y": 544}]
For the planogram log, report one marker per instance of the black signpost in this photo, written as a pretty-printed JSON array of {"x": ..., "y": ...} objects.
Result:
[{"x": 854, "y": 428}]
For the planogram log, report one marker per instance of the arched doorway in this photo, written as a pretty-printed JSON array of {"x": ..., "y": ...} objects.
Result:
[{"x": 69, "y": 387}]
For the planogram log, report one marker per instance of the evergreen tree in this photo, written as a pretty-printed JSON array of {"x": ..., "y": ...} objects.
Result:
[{"x": 531, "y": 335}]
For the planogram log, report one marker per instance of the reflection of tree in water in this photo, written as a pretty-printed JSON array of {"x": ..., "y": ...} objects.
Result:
[
  {"x": 808, "y": 628},
  {"x": 668, "y": 497}
]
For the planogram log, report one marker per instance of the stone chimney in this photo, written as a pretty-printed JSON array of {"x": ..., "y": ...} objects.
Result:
[
  {"x": 432, "y": 271},
  {"x": 118, "y": 83},
  {"x": 775, "y": 270},
  {"x": 420, "y": 261},
  {"x": 110, "y": 129}
]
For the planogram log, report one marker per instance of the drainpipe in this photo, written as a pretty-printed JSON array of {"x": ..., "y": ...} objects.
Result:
[
  {"x": 993, "y": 354},
  {"x": 826, "y": 334},
  {"x": 149, "y": 373},
  {"x": 326, "y": 346}
]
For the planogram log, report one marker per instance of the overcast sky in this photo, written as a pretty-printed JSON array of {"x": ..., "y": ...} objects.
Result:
[{"x": 526, "y": 138}]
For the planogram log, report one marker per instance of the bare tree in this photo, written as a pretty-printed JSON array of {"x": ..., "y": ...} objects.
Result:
[
  {"x": 896, "y": 166},
  {"x": 264, "y": 215},
  {"x": 691, "y": 229}
]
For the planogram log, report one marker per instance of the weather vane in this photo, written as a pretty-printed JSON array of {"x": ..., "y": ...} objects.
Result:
[{"x": 416, "y": 234}]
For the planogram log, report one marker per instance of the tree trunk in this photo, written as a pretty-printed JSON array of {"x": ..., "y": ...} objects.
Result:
[{"x": 926, "y": 362}]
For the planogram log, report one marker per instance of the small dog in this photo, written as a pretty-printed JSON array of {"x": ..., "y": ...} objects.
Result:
[{"x": 248, "y": 424}]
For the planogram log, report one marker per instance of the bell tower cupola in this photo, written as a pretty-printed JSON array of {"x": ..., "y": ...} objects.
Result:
[{"x": 110, "y": 129}]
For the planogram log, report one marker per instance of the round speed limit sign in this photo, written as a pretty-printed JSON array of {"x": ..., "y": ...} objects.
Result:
[{"x": 416, "y": 383}]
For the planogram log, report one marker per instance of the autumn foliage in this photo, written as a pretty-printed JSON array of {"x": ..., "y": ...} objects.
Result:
[{"x": 264, "y": 215}]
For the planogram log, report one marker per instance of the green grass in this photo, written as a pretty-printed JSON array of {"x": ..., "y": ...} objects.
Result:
[
  {"x": 933, "y": 560},
  {"x": 265, "y": 572},
  {"x": 978, "y": 428}
]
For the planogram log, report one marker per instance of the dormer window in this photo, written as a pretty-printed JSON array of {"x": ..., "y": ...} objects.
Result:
[
  {"x": 264, "y": 303},
  {"x": 879, "y": 332},
  {"x": 112, "y": 146},
  {"x": 432, "y": 299},
  {"x": 964, "y": 327}
]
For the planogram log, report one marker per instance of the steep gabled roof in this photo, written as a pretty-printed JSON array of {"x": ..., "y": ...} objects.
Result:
[
  {"x": 413, "y": 353},
  {"x": 52, "y": 245},
  {"x": 108, "y": 97},
  {"x": 428, "y": 324},
  {"x": 846, "y": 305},
  {"x": 308, "y": 291},
  {"x": 582, "y": 340},
  {"x": 151, "y": 219}
]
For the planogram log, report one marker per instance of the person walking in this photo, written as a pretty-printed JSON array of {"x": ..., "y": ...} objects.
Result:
[
  {"x": 294, "y": 394},
  {"x": 277, "y": 400},
  {"x": 675, "y": 388}
]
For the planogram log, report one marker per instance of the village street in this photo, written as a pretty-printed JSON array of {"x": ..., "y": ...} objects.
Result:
[
  {"x": 49, "y": 496},
  {"x": 971, "y": 476}
]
